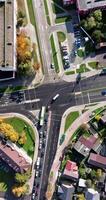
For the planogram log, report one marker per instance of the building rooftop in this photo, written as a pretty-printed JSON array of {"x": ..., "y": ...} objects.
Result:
[
  {"x": 97, "y": 160},
  {"x": 92, "y": 194},
  {"x": 7, "y": 35},
  {"x": 84, "y": 5},
  {"x": 71, "y": 170},
  {"x": 14, "y": 158},
  {"x": 65, "y": 192},
  {"x": 84, "y": 145}
]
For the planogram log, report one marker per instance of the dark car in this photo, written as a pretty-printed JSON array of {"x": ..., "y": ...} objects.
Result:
[{"x": 104, "y": 56}]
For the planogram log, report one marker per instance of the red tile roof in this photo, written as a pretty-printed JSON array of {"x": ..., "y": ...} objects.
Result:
[{"x": 71, "y": 169}]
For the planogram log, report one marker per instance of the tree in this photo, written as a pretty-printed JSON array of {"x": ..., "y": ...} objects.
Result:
[
  {"x": 88, "y": 183},
  {"x": 99, "y": 173},
  {"x": 93, "y": 174},
  {"x": 97, "y": 14},
  {"x": 21, "y": 14},
  {"x": 98, "y": 117},
  {"x": 22, "y": 139},
  {"x": 84, "y": 126},
  {"x": 23, "y": 48},
  {"x": 36, "y": 66},
  {"x": 91, "y": 23},
  {"x": 8, "y": 131},
  {"x": 22, "y": 178},
  {"x": 81, "y": 197},
  {"x": 19, "y": 191},
  {"x": 25, "y": 68},
  {"x": 97, "y": 35}
]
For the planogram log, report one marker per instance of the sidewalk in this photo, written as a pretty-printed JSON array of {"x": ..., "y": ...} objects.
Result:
[
  {"x": 84, "y": 118},
  {"x": 30, "y": 30}
]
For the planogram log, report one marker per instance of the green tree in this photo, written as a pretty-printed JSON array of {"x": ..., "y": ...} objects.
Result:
[
  {"x": 22, "y": 178},
  {"x": 88, "y": 183},
  {"x": 97, "y": 14},
  {"x": 21, "y": 14},
  {"x": 93, "y": 174},
  {"x": 97, "y": 35},
  {"x": 24, "y": 68},
  {"x": 91, "y": 23}
]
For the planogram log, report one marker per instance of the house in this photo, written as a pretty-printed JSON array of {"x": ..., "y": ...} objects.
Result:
[
  {"x": 97, "y": 160},
  {"x": 84, "y": 145},
  {"x": 71, "y": 171},
  {"x": 85, "y": 6},
  {"x": 7, "y": 39},
  {"x": 15, "y": 157},
  {"x": 68, "y": 2},
  {"x": 65, "y": 192},
  {"x": 92, "y": 194}
]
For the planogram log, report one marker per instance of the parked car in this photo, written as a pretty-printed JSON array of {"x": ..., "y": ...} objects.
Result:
[
  {"x": 104, "y": 57},
  {"x": 103, "y": 92}
]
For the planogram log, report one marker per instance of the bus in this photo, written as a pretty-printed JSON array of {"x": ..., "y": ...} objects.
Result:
[{"x": 42, "y": 115}]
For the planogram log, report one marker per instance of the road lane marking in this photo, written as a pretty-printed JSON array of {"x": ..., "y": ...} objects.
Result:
[{"x": 88, "y": 97}]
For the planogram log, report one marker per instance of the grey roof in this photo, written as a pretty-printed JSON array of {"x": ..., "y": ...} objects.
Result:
[
  {"x": 65, "y": 192},
  {"x": 81, "y": 148},
  {"x": 90, "y": 4}
]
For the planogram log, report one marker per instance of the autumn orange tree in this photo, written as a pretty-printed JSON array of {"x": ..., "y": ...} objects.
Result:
[
  {"x": 23, "y": 48},
  {"x": 19, "y": 190},
  {"x": 8, "y": 131}
]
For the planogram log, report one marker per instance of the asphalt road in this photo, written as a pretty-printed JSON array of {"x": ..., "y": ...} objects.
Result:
[{"x": 71, "y": 94}]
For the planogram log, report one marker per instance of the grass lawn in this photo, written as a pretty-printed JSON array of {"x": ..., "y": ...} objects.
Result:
[
  {"x": 70, "y": 72},
  {"x": 94, "y": 64},
  {"x": 80, "y": 53},
  {"x": 19, "y": 125},
  {"x": 82, "y": 69},
  {"x": 54, "y": 54},
  {"x": 98, "y": 110},
  {"x": 47, "y": 12},
  {"x": 31, "y": 11},
  {"x": 11, "y": 89},
  {"x": 6, "y": 179},
  {"x": 61, "y": 36},
  {"x": 62, "y": 19},
  {"x": 70, "y": 119}
]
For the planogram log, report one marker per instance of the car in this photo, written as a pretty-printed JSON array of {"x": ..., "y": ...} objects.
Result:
[
  {"x": 104, "y": 57},
  {"x": 103, "y": 92},
  {"x": 55, "y": 97},
  {"x": 33, "y": 196},
  {"x": 75, "y": 52},
  {"x": 37, "y": 174},
  {"x": 52, "y": 66}
]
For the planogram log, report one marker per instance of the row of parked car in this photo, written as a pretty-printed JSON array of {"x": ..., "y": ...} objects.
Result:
[
  {"x": 65, "y": 57},
  {"x": 39, "y": 162},
  {"x": 78, "y": 38}
]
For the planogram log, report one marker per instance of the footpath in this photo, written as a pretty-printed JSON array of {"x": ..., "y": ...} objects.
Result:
[{"x": 84, "y": 118}]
